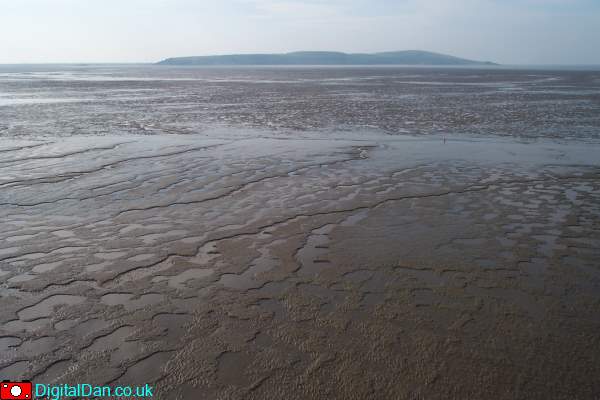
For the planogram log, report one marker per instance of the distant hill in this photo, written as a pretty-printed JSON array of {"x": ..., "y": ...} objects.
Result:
[{"x": 407, "y": 57}]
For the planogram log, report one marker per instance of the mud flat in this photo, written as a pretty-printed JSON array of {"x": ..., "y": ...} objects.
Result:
[
  {"x": 245, "y": 266},
  {"x": 242, "y": 265}
]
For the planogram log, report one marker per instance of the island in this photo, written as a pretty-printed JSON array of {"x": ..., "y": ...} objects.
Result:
[{"x": 406, "y": 57}]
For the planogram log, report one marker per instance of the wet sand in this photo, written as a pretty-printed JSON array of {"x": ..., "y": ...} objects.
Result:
[{"x": 240, "y": 264}]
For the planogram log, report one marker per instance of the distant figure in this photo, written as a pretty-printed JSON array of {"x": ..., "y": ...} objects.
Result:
[{"x": 444, "y": 139}]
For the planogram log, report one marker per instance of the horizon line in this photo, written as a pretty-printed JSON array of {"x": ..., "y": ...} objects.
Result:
[{"x": 155, "y": 63}]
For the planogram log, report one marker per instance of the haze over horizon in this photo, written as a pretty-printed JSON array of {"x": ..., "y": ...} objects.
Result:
[{"x": 507, "y": 32}]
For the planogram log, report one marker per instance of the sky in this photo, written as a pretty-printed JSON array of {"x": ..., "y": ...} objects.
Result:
[{"x": 503, "y": 31}]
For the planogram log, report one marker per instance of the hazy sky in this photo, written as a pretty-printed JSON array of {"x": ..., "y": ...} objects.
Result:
[{"x": 505, "y": 31}]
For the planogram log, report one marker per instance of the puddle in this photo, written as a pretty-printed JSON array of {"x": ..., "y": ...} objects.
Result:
[
  {"x": 535, "y": 269},
  {"x": 41, "y": 268},
  {"x": 89, "y": 327},
  {"x": 486, "y": 263},
  {"x": 470, "y": 242},
  {"x": 67, "y": 250},
  {"x": 46, "y": 307},
  {"x": 426, "y": 276},
  {"x": 174, "y": 324},
  {"x": 373, "y": 299},
  {"x": 15, "y": 371},
  {"x": 53, "y": 373},
  {"x": 141, "y": 257},
  {"x": 64, "y": 233},
  {"x": 97, "y": 267},
  {"x": 9, "y": 251},
  {"x": 116, "y": 299},
  {"x": 152, "y": 238},
  {"x": 316, "y": 290},
  {"x": 17, "y": 325},
  {"x": 518, "y": 298},
  {"x": 205, "y": 254},
  {"x": 179, "y": 281},
  {"x": 148, "y": 370},
  {"x": 272, "y": 289},
  {"x": 231, "y": 369},
  {"x": 358, "y": 276},
  {"x": 21, "y": 278},
  {"x": 248, "y": 279},
  {"x": 355, "y": 218},
  {"x": 424, "y": 297},
  {"x": 111, "y": 340},
  {"x": 548, "y": 244},
  {"x": 20, "y": 238},
  {"x": 312, "y": 257},
  {"x": 37, "y": 346},
  {"x": 273, "y": 306},
  {"x": 8, "y": 342},
  {"x": 111, "y": 255},
  {"x": 262, "y": 340}
]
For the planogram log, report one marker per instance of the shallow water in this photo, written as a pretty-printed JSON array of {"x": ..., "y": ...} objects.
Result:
[
  {"x": 186, "y": 235},
  {"x": 75, "y": 100}
]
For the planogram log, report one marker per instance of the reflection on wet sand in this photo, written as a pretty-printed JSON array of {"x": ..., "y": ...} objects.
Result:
[{"x": 371, "y": 267}]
